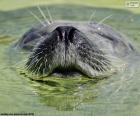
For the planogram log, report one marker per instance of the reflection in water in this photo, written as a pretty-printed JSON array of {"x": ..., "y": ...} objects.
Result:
[{"x": 66, "y": 94}]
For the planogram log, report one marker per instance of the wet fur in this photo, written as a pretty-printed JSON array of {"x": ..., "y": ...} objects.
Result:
[{"x": 91, "y": 50}]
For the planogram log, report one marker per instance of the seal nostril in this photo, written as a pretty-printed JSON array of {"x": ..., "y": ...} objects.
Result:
[
  {"x": 71, "y": 34},
  {"x": 59, "y": 30},
  {"x": 66, "y": 33}
]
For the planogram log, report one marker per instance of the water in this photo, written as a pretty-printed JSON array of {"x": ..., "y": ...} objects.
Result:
[{"x": 118, "y": 95}]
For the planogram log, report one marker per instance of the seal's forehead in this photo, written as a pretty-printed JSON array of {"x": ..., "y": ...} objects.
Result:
[{"x": 82, "y": 26}]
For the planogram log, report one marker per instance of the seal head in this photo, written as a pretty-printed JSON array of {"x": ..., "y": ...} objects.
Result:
[{"x": 74, "y": 48}]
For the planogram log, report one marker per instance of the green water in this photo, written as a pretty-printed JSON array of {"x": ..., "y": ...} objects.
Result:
[{"x": 118, "y": 95}]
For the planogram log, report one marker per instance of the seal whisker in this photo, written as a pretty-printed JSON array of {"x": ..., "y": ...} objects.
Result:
[
  {"x": 104, "y": 59},
  {"x": 98, "y": 54},
  {"x": 36, "y": 17},
  {"x": 45, "y": 63},
  {"x": 33, "y": 56},
  {"x": 42, "y": 13},
  {"x": 50, "y": 16},
  {"x": 102, "y": 63},
  {"x": 100, "y": 22},
  {"x": 39, "y": 68},
  {"x": 36, "y": 65},
  {"x": 112, "y": 58},
  {"x": 97, "y": 67},
  {"x": 32, "y": 62},
  {"x": 91, "y": 17}
]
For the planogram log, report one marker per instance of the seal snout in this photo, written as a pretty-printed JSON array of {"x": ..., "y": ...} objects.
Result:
[
  {"x": 66, "y": 33},
  {"x": 67, "y": 51}
]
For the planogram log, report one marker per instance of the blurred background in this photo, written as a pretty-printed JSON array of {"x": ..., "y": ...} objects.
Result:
[{"x": 15, "y": 4}]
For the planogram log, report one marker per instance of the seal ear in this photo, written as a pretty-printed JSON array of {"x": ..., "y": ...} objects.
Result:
[{"x": 31, "y": 38}]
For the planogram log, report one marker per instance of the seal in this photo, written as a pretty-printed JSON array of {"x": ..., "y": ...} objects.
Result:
[{"x": 68, "y": 48}]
